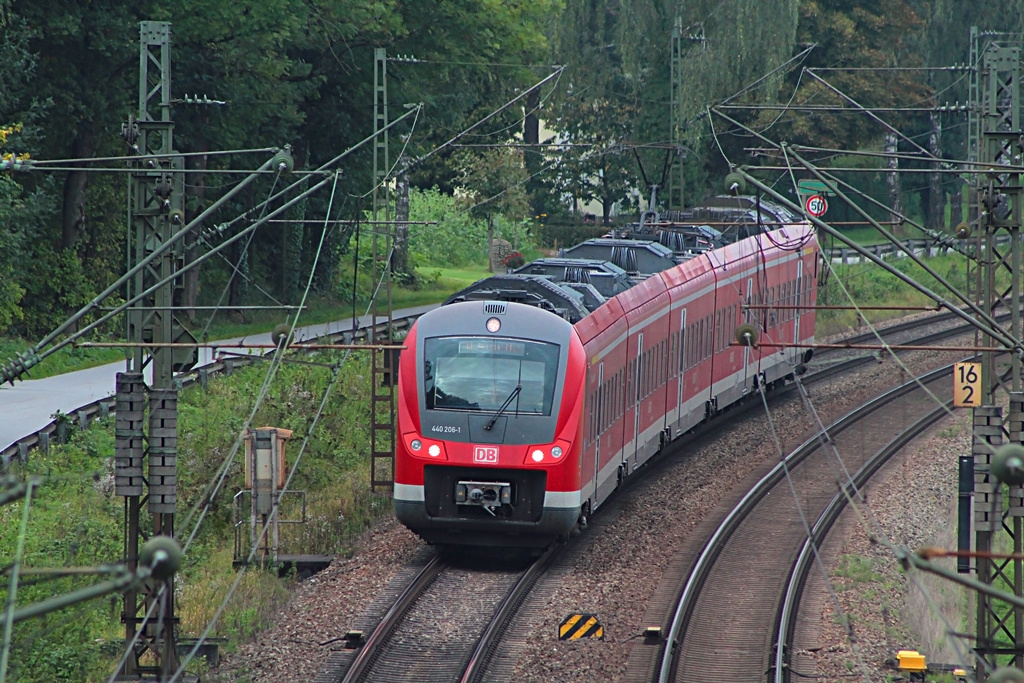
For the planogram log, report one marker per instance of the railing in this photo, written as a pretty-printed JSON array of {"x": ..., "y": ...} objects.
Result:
[
  {"x": 57, "y": 431},
  {"x": 922, "y": 247}
]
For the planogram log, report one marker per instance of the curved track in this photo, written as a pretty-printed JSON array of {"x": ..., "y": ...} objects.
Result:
[{"x": 728, "y": 611}]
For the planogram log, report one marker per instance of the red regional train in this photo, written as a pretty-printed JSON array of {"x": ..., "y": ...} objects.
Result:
[{"x": 529, "y": 397}]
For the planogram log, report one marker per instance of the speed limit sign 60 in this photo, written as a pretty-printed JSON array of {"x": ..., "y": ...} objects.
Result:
[{"x": 816, "y": 205}]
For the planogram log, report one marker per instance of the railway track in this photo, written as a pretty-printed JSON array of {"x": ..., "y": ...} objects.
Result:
[
  {"x": 444, "y": 629},
  {"x": 446, "y": 625},
  {"x": 729, "y": 609}
]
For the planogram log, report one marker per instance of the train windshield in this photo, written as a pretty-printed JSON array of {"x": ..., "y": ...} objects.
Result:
[{"x": 481, "y": 373}]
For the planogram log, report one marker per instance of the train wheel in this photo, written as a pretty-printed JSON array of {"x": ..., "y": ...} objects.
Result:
[{"x": 583, "y": 521}]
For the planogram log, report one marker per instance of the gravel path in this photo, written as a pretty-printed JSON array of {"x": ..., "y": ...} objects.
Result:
[{"x": 616, "y": 568}]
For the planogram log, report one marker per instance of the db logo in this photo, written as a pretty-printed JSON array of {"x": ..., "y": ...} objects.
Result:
[{"x": 485, "y": 454}]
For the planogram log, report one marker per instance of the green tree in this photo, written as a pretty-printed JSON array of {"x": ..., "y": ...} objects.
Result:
[
  {"x": 618, "y": 57},
  {"x": 862, "y": 34},
  {"x": 495, "y": 185}
]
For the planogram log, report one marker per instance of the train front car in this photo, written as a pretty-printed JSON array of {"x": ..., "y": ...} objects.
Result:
[{"x": 488, "y": 444}]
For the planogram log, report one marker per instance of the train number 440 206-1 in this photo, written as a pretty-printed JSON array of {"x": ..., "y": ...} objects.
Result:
[{"x": 446, "y": 429}]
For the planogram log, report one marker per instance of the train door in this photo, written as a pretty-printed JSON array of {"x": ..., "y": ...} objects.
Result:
[
  {"x": 679, "y": 367},
  {"x": 636, "y": 402},
  {"x": 597, "y": 413},
  {"x": 796, "y": 314},
  {"x": 746, "y": 349}
]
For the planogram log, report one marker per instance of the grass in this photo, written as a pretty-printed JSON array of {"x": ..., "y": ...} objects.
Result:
[
  {"x": 870, "y": 285},
  {"x": 76, "y": 520}
]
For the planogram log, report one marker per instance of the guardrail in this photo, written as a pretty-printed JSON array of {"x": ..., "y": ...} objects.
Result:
[
  {"x": 58, "y": 430},
  {"x": 922, "y": 247}
]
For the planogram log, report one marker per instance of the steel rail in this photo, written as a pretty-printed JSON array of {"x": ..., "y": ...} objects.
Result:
[
  {"x": 371, "y": 648},
  {"x": 494, "y": 631},
  {"x": 785, "y": 629},
  {"x": 703, "y": 566}
]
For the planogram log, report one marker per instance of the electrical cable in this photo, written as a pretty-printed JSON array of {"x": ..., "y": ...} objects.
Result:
[
  {"x": 236, "y": 268},
  {"x": 830, "y": 589}
]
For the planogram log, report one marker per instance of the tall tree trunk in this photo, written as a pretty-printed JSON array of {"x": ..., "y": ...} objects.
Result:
[
  {"x": 400, "y": 261},
  {"x": 293, "y": 271},
  {"x": 490, "y": 244},
  {"x": 956, "y": 204},
  {"x": 292, "y": 240},
  {"x": 936, "y": 212},
  {"x": 533, "y": 158},
  {"x": 195, "y": 195},
  {"x": 75, "y": 183},
  {"x": 238, "y": 288},
  {"x": 892, "y": 181}
]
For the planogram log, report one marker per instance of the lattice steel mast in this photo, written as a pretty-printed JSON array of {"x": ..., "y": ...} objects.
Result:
[
  {"x": 156, "y": 212},
  {"x": 996, "y": 139}
]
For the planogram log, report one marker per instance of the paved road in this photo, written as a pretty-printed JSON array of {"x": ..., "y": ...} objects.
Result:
[{"x": 27, "y": 407}]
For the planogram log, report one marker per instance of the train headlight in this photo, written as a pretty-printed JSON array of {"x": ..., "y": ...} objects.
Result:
[
  {"x": 418, "y": 446},
  {"x": 547, "y": 454},
  {"x": 493, "y": 324}
]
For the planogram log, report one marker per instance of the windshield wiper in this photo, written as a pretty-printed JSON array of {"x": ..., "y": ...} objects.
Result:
[{"x": 508, "y": 401}]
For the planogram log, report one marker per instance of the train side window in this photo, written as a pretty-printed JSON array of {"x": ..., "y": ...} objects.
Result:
[
  {"x": 708, "y": 336},
  {"x": 660, "y": 364},
  {"x": 647, "y": 372},
  {"x": 644, "y": 371},
  {"x": 629, "y": 376},
  {"x": 688, "y": 347},
  {"x": 591, "y": 399},
  {"x": 681, "y": 352},
  {"x": 672, "y": 345},
  {"x": 717, "y": 339},
  {"x": 699, "y": 355}
]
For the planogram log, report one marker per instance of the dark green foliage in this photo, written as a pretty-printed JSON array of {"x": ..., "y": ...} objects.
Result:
[{"x": 297, "y": 74}]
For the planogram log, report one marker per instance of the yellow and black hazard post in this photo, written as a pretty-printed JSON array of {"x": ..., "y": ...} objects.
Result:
[{"x": 576, "y": 626}]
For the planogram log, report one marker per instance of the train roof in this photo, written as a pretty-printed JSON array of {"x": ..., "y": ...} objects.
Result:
[
  {"x": 734, "y": 217},
  {"x": 631, "y": 255},
  {"x": 583, "y": 277}
]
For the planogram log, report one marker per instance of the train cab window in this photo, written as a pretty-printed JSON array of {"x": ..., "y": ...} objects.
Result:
[{"x": 480, "y": 374}]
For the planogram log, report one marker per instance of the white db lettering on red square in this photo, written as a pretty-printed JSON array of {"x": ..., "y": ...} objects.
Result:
[{"x": 485, "y": 454}]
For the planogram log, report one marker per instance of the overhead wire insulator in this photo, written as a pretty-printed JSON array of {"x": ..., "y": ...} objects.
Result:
[
  {"x": 162, "y": 556},
  {"x": 1006, "y": 674},
  {"x": 746, "y": 335},
  {"x": 214, "y": 232},
  {"x": 19, "y": 366},
  {"x": 281, "y": 334},
  {"x": 735, "y": 183},
  {"x": 1008, "y": 464},
  {"x": 283, "y": 162},
  {"x": 962, "y": 231}
]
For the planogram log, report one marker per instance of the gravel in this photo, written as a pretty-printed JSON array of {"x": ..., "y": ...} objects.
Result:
[{"x": 650, "y": 531}]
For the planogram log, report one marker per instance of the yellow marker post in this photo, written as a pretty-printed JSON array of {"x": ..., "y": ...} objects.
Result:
[{"x": 966, "y": 385}]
